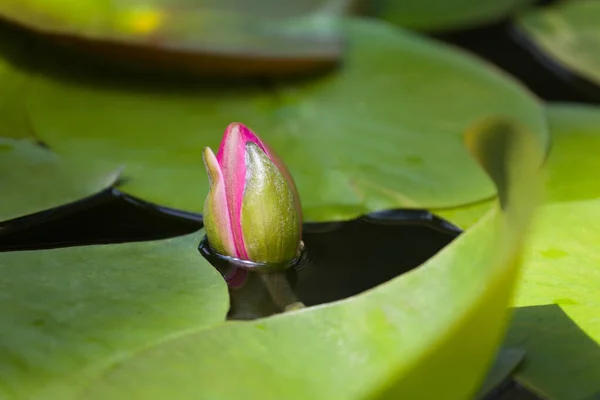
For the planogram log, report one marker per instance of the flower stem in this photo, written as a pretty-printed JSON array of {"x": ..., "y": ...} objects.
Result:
[{"x": 282, "y": 294}]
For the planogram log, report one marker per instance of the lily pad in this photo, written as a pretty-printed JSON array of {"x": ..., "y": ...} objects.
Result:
[
  {"x": 466, "y": 216},
  {"x": 67, "y": 314},
  {"x": 241, "y": 37},
  {"x": 116, "y": 317},
  {"x": 567, "y": 32},
  {"x": 14, "y": 121},
  {"x": 371, "y": 136},
  {"x": 34, "y": 179},
  {"x": 435, "y": 15},
  {"x": 12, "y": 103},
  {"x": 563, "y": 266}
]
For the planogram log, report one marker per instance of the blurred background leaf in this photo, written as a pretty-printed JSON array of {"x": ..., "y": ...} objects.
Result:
[
  {"x": 34, "y": 179},
  {"x": 566, "y": 33},
  {"x": 13, "y": 86},
  {"x": 268, "y": 37},
  {"x": 382, "y": 132},
  {"x": 436, "y": 15}
]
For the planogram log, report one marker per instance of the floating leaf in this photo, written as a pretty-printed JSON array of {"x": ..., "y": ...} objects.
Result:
[
  {"x": 568, "y": 33},
  {"x": 34, "y": 179},
  {"x": 466, "y": 216},
  {"x": 14, "y": 121},
  {"x": 67, "y": 314},
  {"x": 444, "y": 15},
  {"x": 237, "y": 37},
  {"x": 563, "y": 266},
  {"x": 383, "y": 132},
  {"x": 438, "y": 323}
]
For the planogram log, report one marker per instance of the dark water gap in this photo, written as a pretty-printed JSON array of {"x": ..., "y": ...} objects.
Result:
[
  {"x": 384, "y": 245},
  {"x": 502, "y": 44},
  {"x": 106, "y": 217},
  {"x": 512, "y": 390}
]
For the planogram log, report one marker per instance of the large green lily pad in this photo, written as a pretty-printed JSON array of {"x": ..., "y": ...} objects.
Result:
[
  {"x": 569, "y": 33},
  {"x": 34, "y": 179},
  {"x": 466, "y": 216},
  {"x": 67, "y": 314},
  {"x": 563, "y": 266},
  {"x": 382, "y": 132},
  {"x": 256, "y": 36},
  {"x": 141, "y": 320},
  {"x": 444, "y": 15}
]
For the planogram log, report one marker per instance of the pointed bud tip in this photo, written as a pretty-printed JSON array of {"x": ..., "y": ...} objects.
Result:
[
  {"x": 237, "y": 135},
  {"x": 211, "y": 164},
  {"x": 206, "y": 151}
]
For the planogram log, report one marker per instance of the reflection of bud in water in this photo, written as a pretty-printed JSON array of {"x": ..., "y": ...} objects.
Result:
[{"x": 253, "y": 210}]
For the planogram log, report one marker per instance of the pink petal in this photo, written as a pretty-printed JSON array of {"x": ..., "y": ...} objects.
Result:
[
  {"x": 218, "y": 203},
  {"x": 231, "y": 158}
]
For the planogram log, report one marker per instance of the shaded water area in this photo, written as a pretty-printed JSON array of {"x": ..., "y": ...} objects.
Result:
[
  {"x": 384, "y": 245},
  {"x": 348, "y": 258},
  {"x": 504, "y": 46}
]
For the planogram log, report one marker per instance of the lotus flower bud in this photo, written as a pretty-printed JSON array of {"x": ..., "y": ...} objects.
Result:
[{"x": 252, "y": 211}]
